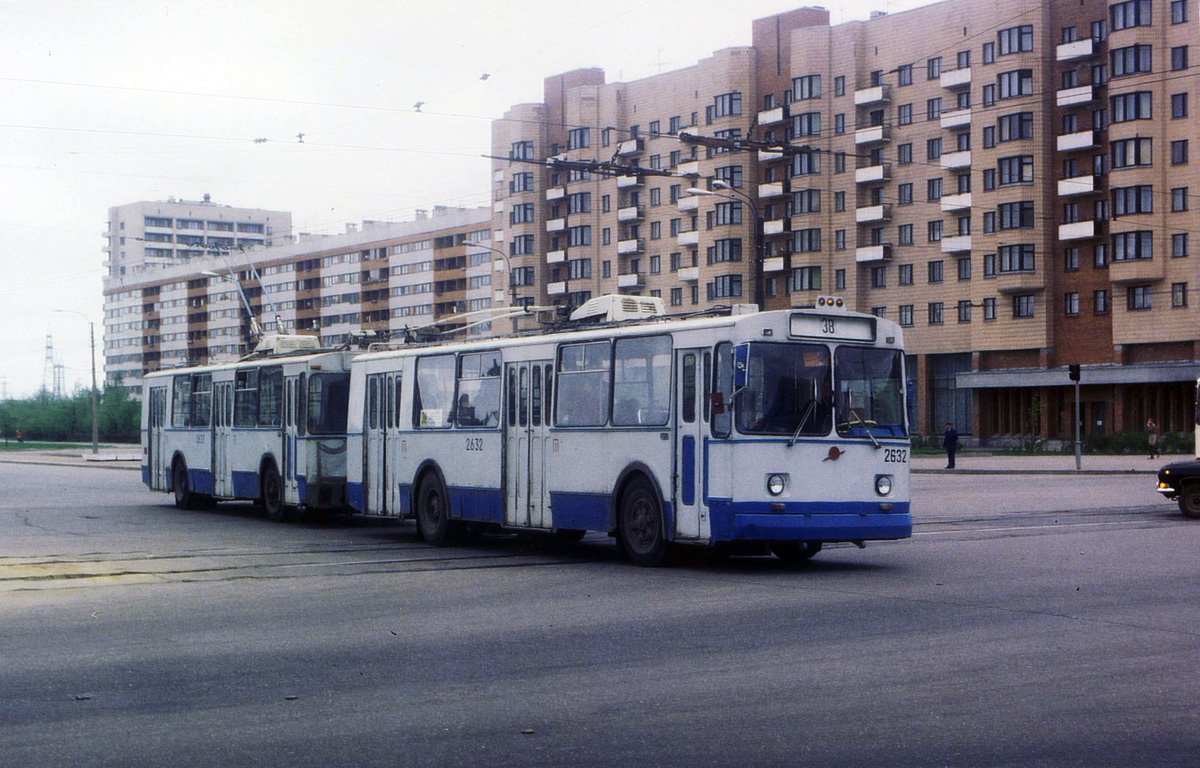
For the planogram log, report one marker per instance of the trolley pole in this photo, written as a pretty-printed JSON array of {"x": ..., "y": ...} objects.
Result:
[{"x": 1074, "y": 373}]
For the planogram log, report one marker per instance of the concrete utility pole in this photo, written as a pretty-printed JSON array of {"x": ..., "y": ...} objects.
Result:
[{"x": 95, "y": 391}]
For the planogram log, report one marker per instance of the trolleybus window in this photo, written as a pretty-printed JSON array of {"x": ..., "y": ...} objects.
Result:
[
  {"x": 373, "y": 402},
  {"x": 433, "y": 395},
  {"x": 870, "y": 387},
  {"x": 642, "y": 381},
  {"x": 245, "y": 411},
  {"x": 536, "y": 396},
  {"x": 689, "y": 388},
  {"x": 202, "y": 400},
  {"x": 328, "y": 396},
  {"x": 584, "y": 374},
  {"x": 270, "y": 397},
  {"x": 788, "y": 390},
  {"x": 722, "y": 390},
  {"x": 478, "y": 390},
  {"x": 181, "y": 402}
]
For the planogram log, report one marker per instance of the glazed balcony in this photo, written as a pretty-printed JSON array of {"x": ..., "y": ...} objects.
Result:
[
  {"x": 873, "y": 134},
  {"x": 956, "y": 78},
  {"x": 631, "y": 213},
  {"x": 1070, "y": 97},
  {"x": 956, "y": 244},
  {"x": 869, "y": 253},
  {"x": 878, "y": 94},
  {"x": 872, "y": 213},
  {"x": 959, "y": 118},
  {"x": 773, "y": 116},
  {"x": 873, "y": 174},
  {"x": 1080, "y": 140},
  {"x": 1078, "y": 185},
  {"x": 959, "y": 202},
  {"x": 955, "y": 160},
  {"x": 631, "y": 246},
  {"x": 1079, "y": 49}
]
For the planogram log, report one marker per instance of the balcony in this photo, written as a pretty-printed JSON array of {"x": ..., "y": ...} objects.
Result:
[
  {"x": 688, "y": 237},
  {"x": 498, "y": 206},
  {"x": 689, "y": 168},
  {"x": 773, "y": 264},
  {"x": 1078, "y": 185},
  {"x": 873, "y": 213},
  {"x": 873, "y": 174},
  {"x": 556, "y": 193},
  {"x": 556, "y": 257},
  {"x": 689, "y": 203},
  {"x": 631, "y": 213},
  {"x": 1079, "y": 230},
  {"x": 777, "y": 227},
  {"x": 956, "y": 78},
  {"x": 689, "y": 274},
  {"x": 630, "y": 247},
  {"x": 631, "y": 280},
  {"x": 770, "y": 155},
  {"x": 1137, "y": 270},
  {"x": 1069, "y": 97},
  {"x": 959, "y": 118},
  {"x": 1074, "y": 142},
  {"x": 870, "y": 253},
  {"x": 959, "y": 202},
  {"x": 631, "y": 147},
  {"x": 556, "y": 225},
  {"x": 1080, "y": 49},
  {"x": 956, "y": 244},
  {"x": 954, "y": 160},
  {"x": 873, "y": 134},
  {"x": 771, "y": 189},
  {"x": 556, "y": 289},
  {"x": 879, "y": 94},
  {"x": 773, "y": 116},
  {"x": 624, "y": 182}
]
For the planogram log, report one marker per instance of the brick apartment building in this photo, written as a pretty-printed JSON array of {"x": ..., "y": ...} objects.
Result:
[
  {"x": 1010, "y": 183},
  {"x": 169, "y": 299}
]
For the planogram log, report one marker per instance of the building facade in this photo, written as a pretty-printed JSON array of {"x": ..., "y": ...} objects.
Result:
[
  {"x": 377, "y": 276},
  {"x": 1012, "y": 185}
]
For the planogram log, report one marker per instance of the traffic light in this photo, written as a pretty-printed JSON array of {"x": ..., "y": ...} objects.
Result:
[{"x": 1073, "y": 371}]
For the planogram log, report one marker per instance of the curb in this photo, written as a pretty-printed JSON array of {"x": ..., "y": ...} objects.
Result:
[
  {"x": 1149, "y": 472},
  {"x": 79, "y": 465}
]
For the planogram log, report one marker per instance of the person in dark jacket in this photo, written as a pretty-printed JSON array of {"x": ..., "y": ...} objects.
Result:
[{"x": 950, "y": 443}]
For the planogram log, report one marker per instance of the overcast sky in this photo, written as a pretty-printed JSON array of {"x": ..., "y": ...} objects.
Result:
[{"x": 106, "y": 102}]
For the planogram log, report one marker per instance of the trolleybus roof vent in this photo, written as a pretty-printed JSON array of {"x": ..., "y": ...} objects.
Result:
[{"x": 614, "y": 308}]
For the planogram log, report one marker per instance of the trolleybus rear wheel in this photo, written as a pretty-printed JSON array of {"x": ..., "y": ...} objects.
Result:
[
  {"x": 641, "y": 525},
  {"x": 184, "y": 498},
  {"x": 433, "y": 512},
  {"x": 794, "y": 551},
  {"x": 272, "y": 494}
]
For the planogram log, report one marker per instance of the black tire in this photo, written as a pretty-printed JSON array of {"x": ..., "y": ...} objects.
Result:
[
  {"x": 433, "y": 512},
  {"x": 1189, "y": 500},
  {"x": 180, "y": 483},
  {"x": 794, "y": 551},
  {"x": 272, "y": 495},
  {"x": 642, "y": 525}
]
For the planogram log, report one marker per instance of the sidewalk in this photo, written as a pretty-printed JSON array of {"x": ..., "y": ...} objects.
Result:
[{"x": 125, "y": 457}]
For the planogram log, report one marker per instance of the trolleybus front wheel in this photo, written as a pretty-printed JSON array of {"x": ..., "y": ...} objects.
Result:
[
  {"x": 641, "y": 525},
  {"x": 433, "y": 512},
  {"x": 272, "y": 494},
  {"x": 794, "y": 551},
  {"x": 184, "y": 498}
]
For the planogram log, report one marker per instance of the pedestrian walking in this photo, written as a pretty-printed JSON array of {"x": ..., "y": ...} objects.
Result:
[
  {"x": 20, "y": 438},
  {"x": 1152, "y": 432},
  {"x": 950, "y": 443}
]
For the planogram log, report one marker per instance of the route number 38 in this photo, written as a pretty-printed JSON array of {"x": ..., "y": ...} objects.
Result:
[{"x": 827, "y": 326}]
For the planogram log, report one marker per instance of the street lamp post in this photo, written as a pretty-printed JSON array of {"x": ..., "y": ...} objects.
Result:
[
  {"x": 512, "y": 289},
  {"x": 738, "y": 195},
  {"x": 95, "y": 391}
]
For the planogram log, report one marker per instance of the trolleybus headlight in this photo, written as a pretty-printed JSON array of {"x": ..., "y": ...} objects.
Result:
[
  {"x": 883, "y": 484},
  {"x": 776, "y": 484}
]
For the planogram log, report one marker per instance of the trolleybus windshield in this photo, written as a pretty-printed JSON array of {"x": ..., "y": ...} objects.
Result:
[
  {"x": 870, "y": 392},
  {"x": 788, "y": 390}
]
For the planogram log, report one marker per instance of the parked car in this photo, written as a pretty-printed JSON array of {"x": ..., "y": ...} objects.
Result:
[{"x": 1180, "y": 480}]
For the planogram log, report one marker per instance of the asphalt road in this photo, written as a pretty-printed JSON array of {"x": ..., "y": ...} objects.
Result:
[{"x": 1029, "y": 622}]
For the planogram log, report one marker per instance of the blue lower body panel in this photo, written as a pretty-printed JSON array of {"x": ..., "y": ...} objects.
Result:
[
  {"x": 582, "y": 511},
  {"x": 842, "y": 521},
  {"x": 354, "y": 497},
  {"x": 479, "y": 505},
  {"x": 245, "y": 484}
]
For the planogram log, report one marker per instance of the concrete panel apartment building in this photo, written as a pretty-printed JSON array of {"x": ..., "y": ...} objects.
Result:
[
  {"x": 1012, "y": 183},
  {"x": 162, "y": 310}
]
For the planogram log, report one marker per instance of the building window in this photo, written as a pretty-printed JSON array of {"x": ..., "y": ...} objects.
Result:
[
  {"x": 933, "y": 108},
  {"x": 904, "y": 74},
  {"x": 839, "y": 85},
  {"x": 839, "y": 239},
  {"x": 936, "y": 271},
  {"x": 1179, "y": 58},
  {"x": 964, "y": 311},
  {"x": 1015, "y": 126},
  {"x": 1133, "y": 13},
  {"x": 839, "y": 124},
  {"x": 1179, "y": 199},
  {"x": 726, "y": 249},
  {"x": 1015, "y": 170},
  {"x": 1133, "y": 246},
  {"x": 725, "y": 287},
  {"x": 989, "y": 309},
  {"x": 730, "y": 174},
  {"x": 936, "y": 312},
  {"x": 1023, "y": 305},
  {"x": 1179, "y": 105},
  {"x": 579, "y": 138},
  {"x": 806, "y": 124},
  {"x": 904, "y": 154},
  {"x": 806, "y": 279},
  {"x": 1128, "y": 153},
  {"x": 807, "y": 240},
  {"x": 933, "y": 148},
  {"x": 1015, "y": 39},
  {"x": 806, "y": 87},
  {"x": 935, "y": 231},
  {"x": 904, "y": 114},
  {"x": 1179, "y": 245},
  {"x": 578, "y": 236},
  {"x": 521, "y": 150},
  {"x": 1179, "y": 11},
  {"x": 1018, "y": 82},
  {"x": 905, "y": 274},
  {"x": 1132, "y": 60},
  {"x": 1132, "y": 106},
  {"x": 1179, "y": 152},
  {"x": 906, "y": 315},
  {"x": 1071, "y": 259},
  {"x": 989, "y": 53},
  {"x": 964, "y": 268},
  {"x": 933, "y": 190},
  {"x": 1071, "y": 304},
  {"x": 1100, "y": 302},
  {"x": 1139, "y": 298},
  {"x": 905, "y": 234},
  {"x": 933, "y": 68},
  {"x": 1128, "y": 201},
  {"x": 904, "y": 194},
  {"x": 1178, "y": 294},
  {"x": 1017, "y": 258},
  {"x": 879, "y": 277},
  {"x": 1017, "y": 215}
]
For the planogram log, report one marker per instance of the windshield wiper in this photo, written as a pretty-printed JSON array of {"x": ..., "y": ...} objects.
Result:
[
  {"x": 866, "y": 429},
  {"x": 812, "y": 405}
]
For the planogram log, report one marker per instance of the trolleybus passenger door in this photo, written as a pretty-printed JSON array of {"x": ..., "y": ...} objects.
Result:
[
  {"x": 374, "y": 444},
  {"x": 689, "y": 443},
  {"x": 222, "y": 421},
  {"x": 526, "y": 444},
  {"x": 154, "y": 449},
  {"x": 291, "y": 487},
  {"x": 390, "y": 470}
]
